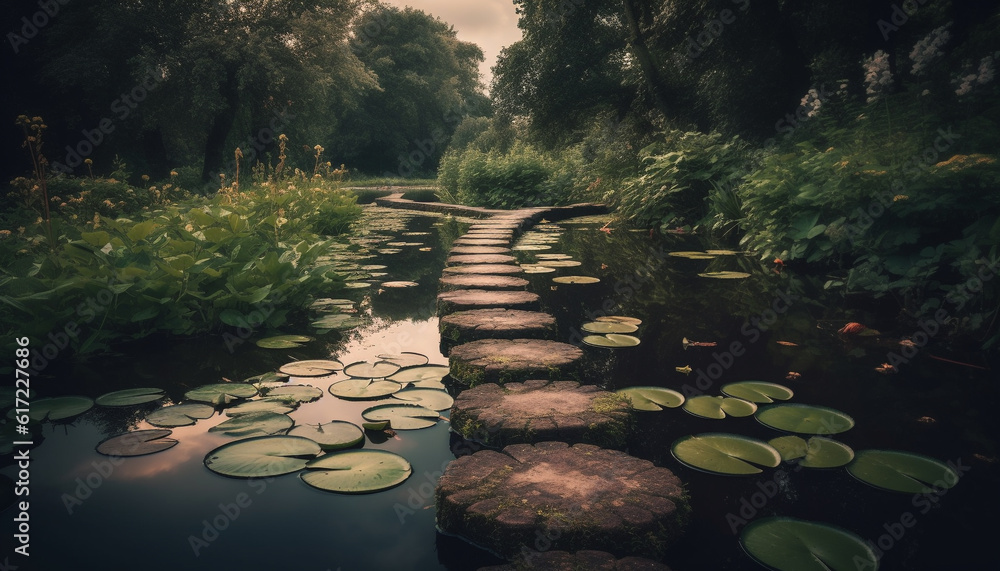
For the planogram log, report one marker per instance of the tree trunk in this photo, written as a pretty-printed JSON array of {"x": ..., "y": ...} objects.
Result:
[
  {"x": 222, "y": 124},
  {"x": 637, "y": 43}
]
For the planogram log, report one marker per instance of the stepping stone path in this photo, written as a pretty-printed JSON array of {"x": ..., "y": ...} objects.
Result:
[
  {"x": 497, "y": 322},
  {"x": 590, "y": 504},
  {"x": 535, "y": 411},
  {"x": 583, "y": 496}
]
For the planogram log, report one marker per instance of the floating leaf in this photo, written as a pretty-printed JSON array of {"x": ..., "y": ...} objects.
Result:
[
  {"x": 652, "y": 398},
  {"x": 611, "y": 341},
  {"x": 431, "y": 398},
  {"x": 266, "y": 379},
  {"x": 283, "y": 341},
  {"x": 405, "y": 359},
  {"x": 311, "y": 368},
  {"x": 180, "y": 415},
  {"x": 553, "y": 256},
  {"x": 368, "y": 370},
  {"x": 221, "y": 393},
  {"x": 129, "y": 397},
  {"x": 262, "y": 456},
  {"x": 805, "y": 419},
  {"x": 722, "y": 252},
  {"x": 576, "y": 280},
  {"x": 789, "y": 544},
  {"x": 399, "y": 285},
  {"x": 817, "y": 452},
  {"x": 276, "y": 405},
  {"x": 300, "y": 393},
  {"x": 402, "y": 416},
  {"x": 421, "y": 376},
  {"x": 619, "y": 319},
  {"x": 707, "y": 406},
  {"x": 531, "y": 247},
  {"x": 337, "y": 321},
  {"x": 902, "y": 471},
  {"x": 536, "y": 269},
  {"x": 59, "y": 408},
  {"x": 255, "y": 424},
  {"x": 558, "y": 263},
  {"x": 692, "y": 255},
  {"x": 357, "y": 471},
  {"x": 137, "y": 443},
  {"x": 364, "y": 389},
  {"x": 334, "y": 435},
  {"x": 725, "y": 275},
  {"x": 720, "y": 453},
  {"x": 608, "y": 327},
  {"x": 375, "y": 426},
  {"x": 758, "y": 391}
]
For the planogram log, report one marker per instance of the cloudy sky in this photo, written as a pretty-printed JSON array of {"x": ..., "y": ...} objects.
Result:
[{"x": 491, "y": 24}]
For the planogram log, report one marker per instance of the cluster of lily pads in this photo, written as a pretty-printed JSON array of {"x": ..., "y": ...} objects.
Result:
[
  {"x": 711, "y": 255},
  {"x": 611, "y": 331},
  {"x": 781, "y": 542}
]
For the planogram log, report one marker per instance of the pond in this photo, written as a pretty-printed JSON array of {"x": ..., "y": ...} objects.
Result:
[{"x": 168, "y": 511}]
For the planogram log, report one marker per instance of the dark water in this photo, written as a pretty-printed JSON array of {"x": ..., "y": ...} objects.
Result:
[{"x": 167, "y": 511}]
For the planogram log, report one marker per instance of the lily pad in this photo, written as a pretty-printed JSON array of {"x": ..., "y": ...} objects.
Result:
[
  {"x": 180, "y": 415},
  {"x": 619, "y": 319},
  {"x": 399, "y": 285},
  {"x": 692, "y": 255},
  {"x": 553, "y": 256},
  {"x": 405, "y": 359},
  {"x": 817, "y": 452},
  {"x": 576, "y": 280},
  {"x": 402, "y": 416},
  {"x": 558, "y": 263},
  {"x": 605, "y": 327},
  {"x": 357, "y": 471},
  {"x": 531, "y": 247},
  {"x": 283, "y": 341},
  {"x": 368, "y": 370},
  {"x": 759, "y": 392},
  {"x": 300, "y": 393},
  {"x": 334, "y": 435},
  {"x": 536, "y": 269},
  {"x": 364, "y": 389},
  {"x": 707, "y": 406},
  {"x": 789, "y": 544},
  {"x": 137, "y": 443},
  {"x": 720, "y": 453},
  {"x": 902, "y": 471},
  {"x": 805, "y": 419},
  {"x": 725, "y": 275},
  {"x": 424, "y": 376},
  {"x": 337, "y": 321},
  {"x": 59, "y": 408},
  {"x": 611, "y": 341},
  {"x": 221, "y": 393},
  {"x": 255, "y": 424},
  {"x": 653, "y": 398},
  {"x": 276, "y": 405},
  {"x": 311, "y": 368},
  {"x": 435, "y": 399},
  {"x": 262, "y": 456},
  {"x": 129, "y": 397}
]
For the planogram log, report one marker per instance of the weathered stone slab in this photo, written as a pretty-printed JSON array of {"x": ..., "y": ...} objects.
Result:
[
  {"x": 482, "y": 242},
  {"x": 460, "y": 259},
  {"x": 580, "y": 496},
  {"x": 480, "y": 250},
  {"x": 540, "y": 411},
  {"x": 491, "y": 269},
  {"x": 480, "y": 281},
  {"x": 510, "y": 360},
  {"x": 583, "y": 559},
  {"x": 463, "y": 299},
  {"x": 498, "y": 323}
]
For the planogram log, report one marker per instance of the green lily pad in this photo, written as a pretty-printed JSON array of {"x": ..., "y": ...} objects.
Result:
[
  {"x": 653, "y": 398},
  {"x": 553, "y": 256},
  {"x": 619, "y": 319},
  {"x": 129, "y": 397},
  {"x": 357, "y": 471},
  {"x": 789, "y": 544},
  {"x": 720, "y": 453},
  {"x": 805, "y": 419},
  {"x": 180, "y": 415},
  {"x": 334, "y": 435},
  {"x": 337, "y": 321},
  {"x": 399, "y": 285},
  {"x": 902, "y": 471},
  {"x": 576, "y": 280},
  {"x": 221, "y": 393},
  {"x": 260, "y": 423},
  {"x": 368, "y": 370},
  {"x": 299, "y": 393},
  {"x": 759, "y": 392},
  {"x": 362, "y": 285},
  {"x": 611, "y": 341},
  {"x": 817, "y": 452},
  {"x": 725, "y": 275},
  {"x": 536, "y": 269},
  {"x": 604, "y": 327},
  {"x": 364, "y": 389},
  {"x": 283, "y": 341},
  {"x": 402, "y": 416},
  {"x": 722, "y": 252},
  {"x": 435, "y": 399},
  {"x": 137, "y": 443},
  {"x": 531, "y": 247},
  {"x": 426, "y": 376},
  {"x": 276, "y": 405},
  {"x": 707, "y": 406},
  {"x": 311, "y": 368},
  {"x": 59, "y": 408},
  {"x": 266, "y": 379},
  {"x": 262, "y": 456},
  {"x": 405, "y": 359},
  {"x": 692, "y": 255},
  {"x": 558, "y": 263},
  {"x": 376, "y": 426}
]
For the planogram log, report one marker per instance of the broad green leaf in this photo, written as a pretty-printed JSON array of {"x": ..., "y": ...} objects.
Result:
[
  {"x": 300, "y": 393},
  {"x": 337, "y": 321},
  {"x": 141, "y": 230},
  {"x": 805, "y": 419},
  {"x": 221, "y": 393},
  {"x": 720, "y": 453},
  {"x": 311, "y": 368},
  {"x": 283, "y": 341},
  {"x": 789, "y": 544},
  {"x": 817, "y": 452},
  {"x": 180, "y": 415},
  {"x": 59, "y": 408},
  {"x": 435, "y": 399},
  {"x": 652, "y": 398},
  {"x": 277, "y": 405},
  {"x": 364, "y": 389},
  {"x": 902, "y": 471},
  {"x": 255, "y": 424},
  {"x": 576, "y": 280},
  {"x": 707, "y": 406},
  {"x": 405, "y": 359},
  {"x": 129, "y": 397},
  {"x": 604, "y": 327},
  {"x": 137, "y": 443},
  {"x": 367, "y": 370},
  {"x": 262, "y": 456},
  {"x": 357, "y": 471},
  {"x": 725, "y": 275},
  {"x": 759, "y": 392},
  {"x": 402, "y": 416},
  {"x": 611, "y": 341},
  {"x": 420, "y": 376},
  {"x": 334, "y": 435}
]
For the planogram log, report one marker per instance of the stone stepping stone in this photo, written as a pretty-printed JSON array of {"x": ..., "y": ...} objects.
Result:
[
  {"x": 461, "y": 299},
  {"x": 472, "y": 232},
  {"x": 480, "y": 250},
  {"x": 498, "y": 226},
  {"x": 579, "y": 496},
  {"x": 511, "y": 360},
  {"x": 499, "y": 323},
  {"x": 459, "y": 259},
  {"x": 482, "y": 242},
  {"x": 458, "y": 281},
  {"x": 487, "y": 269},
  {"x": 583, "y": 559},
  {"x": 540, "y": 411}
]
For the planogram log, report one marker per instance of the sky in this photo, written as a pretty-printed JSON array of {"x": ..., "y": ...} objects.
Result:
[{"x": 490, "y": 24}]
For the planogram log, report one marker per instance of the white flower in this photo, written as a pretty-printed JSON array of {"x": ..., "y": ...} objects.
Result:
[
  {"x": 928, "y": 48},
  {"x": 811, "y": 103},
  {"x": 878, "y": 76}
]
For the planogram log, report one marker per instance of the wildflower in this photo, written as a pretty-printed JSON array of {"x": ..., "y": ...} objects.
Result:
[
  {"x": 878, "y": 76},
  {"x": 88, "y": 161},
  {"x": 793, "y": 376},
  {"x": 4, "y": 234},
  {"x": 984, "y": 74},
  {"x": 811, "y": 103},
  {"x": 173, "y": 173},
  {"x": 145, "y": 178},
  {"x": 900, "y": 197},
  {"x": 929, "y": 48}
]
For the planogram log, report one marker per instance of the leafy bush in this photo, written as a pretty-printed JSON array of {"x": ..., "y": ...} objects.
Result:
[{"x": 522, "y": 177}]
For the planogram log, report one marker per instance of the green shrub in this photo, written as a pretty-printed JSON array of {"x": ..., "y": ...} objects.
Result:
[{"x": 523, "y": 177}]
